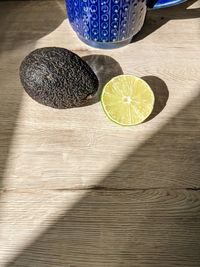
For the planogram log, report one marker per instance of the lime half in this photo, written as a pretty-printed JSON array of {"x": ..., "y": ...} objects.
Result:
[{"x": 127, "y": 100}]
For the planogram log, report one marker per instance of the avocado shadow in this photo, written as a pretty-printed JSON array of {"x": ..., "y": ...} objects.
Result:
[
  {"x": 161, "y": 94},
  {"x": 159, "y": 17},
  {"x": 105, "y": 68}
]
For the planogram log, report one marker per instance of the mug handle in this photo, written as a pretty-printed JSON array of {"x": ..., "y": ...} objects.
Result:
[{"x": 163, "y": 3}]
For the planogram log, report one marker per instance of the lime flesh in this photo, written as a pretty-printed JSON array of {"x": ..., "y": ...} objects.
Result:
[{"x": 127, "y": 100}]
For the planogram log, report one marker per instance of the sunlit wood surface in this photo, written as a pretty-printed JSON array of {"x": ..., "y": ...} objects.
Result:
[{"x": 80, "y": 191}]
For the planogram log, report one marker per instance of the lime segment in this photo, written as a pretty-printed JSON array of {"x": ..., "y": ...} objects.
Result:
[{"x": 127, "y": 100}]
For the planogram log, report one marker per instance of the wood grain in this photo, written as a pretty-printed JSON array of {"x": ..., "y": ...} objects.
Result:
[
  {"x": 104, "y": 228},
  {"x": 77, "y": 190},
  {"x": 49, "y": 147}
]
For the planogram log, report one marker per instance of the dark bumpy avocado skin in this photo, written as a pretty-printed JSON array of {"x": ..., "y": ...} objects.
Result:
[{"x": 58, "y": 78}]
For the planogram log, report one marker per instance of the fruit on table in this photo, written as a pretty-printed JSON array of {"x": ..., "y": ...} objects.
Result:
[
  {"x": 127, "y": 100},
  {"x": 58, "y": 78}
]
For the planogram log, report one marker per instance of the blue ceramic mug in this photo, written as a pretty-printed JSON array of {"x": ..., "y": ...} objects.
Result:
[{"x": 110, "y": 23}]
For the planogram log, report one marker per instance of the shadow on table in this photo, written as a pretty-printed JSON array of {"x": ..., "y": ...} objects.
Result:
[
  {"x": 24, "y": 22},
  {"x": 121, "y": 223},
  {"x": 105, "y": 68},
  {"x": 21, "y": 23},
  {"x": 157, "y": 18},
  {"x": 161, "y": 94},
  {"x": 139, "y": 214}
]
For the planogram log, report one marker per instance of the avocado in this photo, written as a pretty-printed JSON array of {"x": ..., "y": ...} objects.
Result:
[{"x": 58, "y": 78}]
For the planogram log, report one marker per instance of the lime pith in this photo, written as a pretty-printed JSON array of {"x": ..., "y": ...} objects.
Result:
[{"x": 127, "y": 100}]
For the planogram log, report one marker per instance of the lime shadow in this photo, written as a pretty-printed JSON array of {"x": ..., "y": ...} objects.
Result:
[{"x": 161, "y": 94}]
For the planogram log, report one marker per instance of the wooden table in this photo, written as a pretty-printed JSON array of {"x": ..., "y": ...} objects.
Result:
[{"x": 80, "y": 191}]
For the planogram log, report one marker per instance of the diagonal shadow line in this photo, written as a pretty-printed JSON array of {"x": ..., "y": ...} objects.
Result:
[
  {"x": 22, "y": 23},
  {"x": 56, "y": 229},
  {"x": 157, "y": 18},
  {"x": 126, "y": 221}
]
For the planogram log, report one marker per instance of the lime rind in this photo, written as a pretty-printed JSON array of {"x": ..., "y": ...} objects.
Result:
[{"x": 134, "y": 79}]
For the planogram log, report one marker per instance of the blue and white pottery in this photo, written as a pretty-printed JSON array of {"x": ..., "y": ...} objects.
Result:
[{"x": 110, "y": 23}]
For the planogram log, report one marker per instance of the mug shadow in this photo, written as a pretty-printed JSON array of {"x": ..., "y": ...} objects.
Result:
[
  {"x": 105, "y": 68},
  {"x": 159, "y": 17},
  {"x": 138, "y": 217}
]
